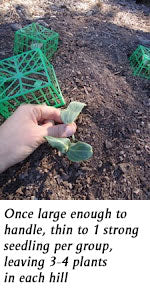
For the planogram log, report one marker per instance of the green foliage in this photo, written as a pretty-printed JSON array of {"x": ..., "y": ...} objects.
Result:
[
  {"x": 79, "y": 151},
  {"x": 75, "y": 152},
  {"x": 62, "y": 144},
  {"x": 70, "y": 114}
]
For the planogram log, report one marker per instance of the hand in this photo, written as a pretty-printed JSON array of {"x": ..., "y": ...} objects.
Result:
[{"x": 24, "y": 131}]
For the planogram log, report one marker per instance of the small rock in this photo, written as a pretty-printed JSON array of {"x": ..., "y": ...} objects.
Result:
[
  {"x": 138, "y": 112},
  {"x": 148, "y": 125},
  {"x": 108, "y": 144},
  {"x": 137, "y": 191},
  {"x": 85, "y": 168},
  {"x": 147, "y": 103},
  {"x": 124, "y": 167},
  {"x": 58, "y": 179},
  {"x": 79, "y": 73},
  {"x": 59, "y": 153},
  {"x": 70, "y": 186},
  {"x": 91, "y": 196},
  {"x": 126, "y": 146},
  {"x": 15, "y": 26},
  {"x": 100, "y": 164},
  {"x": 121, "y": 153},
  {"x": 89, "y": 89},
  {"x": 147, "y": 148},
  {"x": 89, "y": 13},
  {"x": 88, "y": 180},
  {"x": 42, "y": 22},
  {"x": 80, "y": 43},
  {"x": 3, "y": 53},
  {"x": 144, "y": 41},
  {"x": 121, "y": 158},
  {"x": 65, "y": 176},
  {"x": 137, "y": 131},
  {"x": 55, "y": 8},
  {"x": 66, "y": 184},
  {"x": 33, "y": 198}
]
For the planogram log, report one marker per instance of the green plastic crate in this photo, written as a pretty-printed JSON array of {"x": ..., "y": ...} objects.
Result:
[
  {"x": 28, "y": 78},
  {"x": 36, "y": 36},
  {"x": 140, "y": 62}
]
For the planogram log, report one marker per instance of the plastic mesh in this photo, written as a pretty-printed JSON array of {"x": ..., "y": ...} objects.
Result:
[
  {"x": 140, "y": 62},
  {"x": 36, "y": 36},
  {"x": 28, "y": 78}
]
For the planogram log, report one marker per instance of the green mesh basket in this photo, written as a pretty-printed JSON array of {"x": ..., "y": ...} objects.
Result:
[
  {"x": 140, "y": 62},
  {"x": 36, "y": 36},
  {"x": 28, "y": 78}
]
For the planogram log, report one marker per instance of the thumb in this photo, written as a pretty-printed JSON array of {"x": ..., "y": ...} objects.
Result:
[{"x": 62, "y": 130}]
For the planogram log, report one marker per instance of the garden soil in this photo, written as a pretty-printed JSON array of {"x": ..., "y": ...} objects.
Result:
[{"x": 92, "y": 66}]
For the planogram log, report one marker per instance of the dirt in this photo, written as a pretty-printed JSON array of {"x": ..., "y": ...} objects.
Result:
[{"x": 92, "y": 66}]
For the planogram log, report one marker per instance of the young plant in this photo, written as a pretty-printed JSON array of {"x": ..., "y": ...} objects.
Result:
[{"x": 75, "y": 151}]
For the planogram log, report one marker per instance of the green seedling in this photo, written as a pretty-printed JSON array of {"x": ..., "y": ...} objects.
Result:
[{"x": 75, "y": 151}]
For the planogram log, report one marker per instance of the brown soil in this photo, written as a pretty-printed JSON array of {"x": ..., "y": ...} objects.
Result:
[{"x": 96, "y": 39}]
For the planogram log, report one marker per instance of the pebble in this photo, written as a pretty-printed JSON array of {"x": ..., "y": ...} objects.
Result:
[
  {"x": 147, "y": 103},
  {"x": 144, "y": 41},
  {"x": 137, "y": 191},
  {"x": 91, "y": 196},
  {"x": 126, "y": 146},
  {"x": 42, "y": 22},
  {"x": 100, "y": 164},
  {"x": 121, "y": 158},
  {"x": 124, "y": 167},
  {"x": 108, "y": 144},
  {"x": 34, "y": 198},
  {"x": 80, "y": 43},
  {"x": 85, "y": 168},
  {"x": 3, "y": 53},
  {"x": 89, "y": 13},
  {"x": 78, "y": 73},
  {"x": 65, "y": 176},
  {"x": 88, "y": 180},
  {"x": 15, "y": 26},
  {"x": 70, "y": 186},
  {"x": 89, "y": 89},
  {"x": 58, "y": 179},
  {"x": 137, "y": 131},
  {"x": 59, "y": 154}
]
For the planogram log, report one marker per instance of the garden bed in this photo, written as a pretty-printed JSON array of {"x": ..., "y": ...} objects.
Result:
[{"x": 91, "y": 64}]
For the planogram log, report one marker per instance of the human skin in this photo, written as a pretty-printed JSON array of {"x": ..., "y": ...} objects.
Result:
[{"x": 25, "y": 130}]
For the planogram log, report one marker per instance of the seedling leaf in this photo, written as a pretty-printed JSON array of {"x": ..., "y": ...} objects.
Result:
[
  {"x": 79, "y": 151},
  {"x": 62, "y": 144},
  {"x": 70, "y": 114}
]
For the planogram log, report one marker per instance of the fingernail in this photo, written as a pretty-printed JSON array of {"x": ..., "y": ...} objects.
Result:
[{"x": 70, "y": 129}]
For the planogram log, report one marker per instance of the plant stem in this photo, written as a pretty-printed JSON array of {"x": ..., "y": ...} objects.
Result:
[{"x": 73, "y": 138}]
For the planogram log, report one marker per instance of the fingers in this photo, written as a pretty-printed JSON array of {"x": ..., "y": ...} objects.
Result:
[
  {"x": 62, "y": 130},
  {"x": 45, "y": 112},
  {"x": 41, "y": 113}
]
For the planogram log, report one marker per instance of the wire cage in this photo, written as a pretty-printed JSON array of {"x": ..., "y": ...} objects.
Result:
[
  {"x": 140, "y": 62},
  {"x": 36, "y": 36},
  {"x": 28, "y": 78}
]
